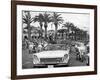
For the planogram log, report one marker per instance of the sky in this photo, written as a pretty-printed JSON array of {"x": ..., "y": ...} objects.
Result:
[{"x": 81, "y": 20}]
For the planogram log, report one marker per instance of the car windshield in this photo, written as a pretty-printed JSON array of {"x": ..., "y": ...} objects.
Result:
[{"x": 56, "y": 47}]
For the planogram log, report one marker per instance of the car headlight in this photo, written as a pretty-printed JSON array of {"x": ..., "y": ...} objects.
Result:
[
  {"x": 35, "y": 60},
  {"x": 65, "y": 58}
]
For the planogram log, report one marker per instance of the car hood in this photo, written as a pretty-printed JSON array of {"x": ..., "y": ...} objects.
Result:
[{"x": 52, "y": 54}]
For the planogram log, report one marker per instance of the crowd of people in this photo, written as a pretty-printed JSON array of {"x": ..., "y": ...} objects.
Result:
[
  {"x": 34, "y": 45},
  {"x": 81, "y": 52}
]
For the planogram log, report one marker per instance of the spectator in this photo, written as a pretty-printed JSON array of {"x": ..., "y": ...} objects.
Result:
[
  {"x": 77, "y": 52},
  {"x": 82, "y": 50},
  {"x": 40, "y": 47},
  {"x": 31, "y": 47}
]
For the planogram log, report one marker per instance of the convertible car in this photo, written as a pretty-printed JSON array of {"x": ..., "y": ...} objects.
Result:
[{"x": 55, "y": 57}]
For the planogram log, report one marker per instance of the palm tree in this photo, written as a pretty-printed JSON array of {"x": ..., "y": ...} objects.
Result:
[
  {"x": 70, "y": 26},
  {"x": 39, "y": 19},
  {"x": 57, "y": 20},
  {"x": 62, "y": 31},
  {"x": 46, "y": 19},
  {"x": 27, "y": 19},
  {"x": 77, "y": 33}
]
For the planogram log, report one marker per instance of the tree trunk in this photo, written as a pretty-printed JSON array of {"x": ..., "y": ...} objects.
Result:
[
  {"x": 41, "y": 26},
  {"x": 41, "y": 29},
  {"x": 56, "y": 27},
  {"x": 29, "y": 32},
  {"x": 28, "y": 25},
  {"x": 68, "y": 33},
  {"x": 45, "y": 31}
]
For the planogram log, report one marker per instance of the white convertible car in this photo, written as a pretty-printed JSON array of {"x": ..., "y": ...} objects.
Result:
[{"x": 51, "y": 57}]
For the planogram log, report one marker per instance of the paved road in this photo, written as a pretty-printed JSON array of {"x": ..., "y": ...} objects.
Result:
[{"x": 74, "y": 62}]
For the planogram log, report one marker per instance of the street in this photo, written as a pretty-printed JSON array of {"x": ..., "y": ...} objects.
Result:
[{"x": 74, "y": 62}]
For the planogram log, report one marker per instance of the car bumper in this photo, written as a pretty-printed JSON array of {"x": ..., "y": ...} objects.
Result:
[{"x": 46, "y": 65}]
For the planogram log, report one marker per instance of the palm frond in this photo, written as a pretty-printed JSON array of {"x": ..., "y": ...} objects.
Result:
[
  {"x": 56, "y": 18},
  {"x": 38, "y": 18},
  {"x": 27, "y": 17},
  {"x": 46, "y": 17}
]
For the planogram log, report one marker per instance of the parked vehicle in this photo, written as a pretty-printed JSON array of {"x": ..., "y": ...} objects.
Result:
[{"x": 51, "y": 57}]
